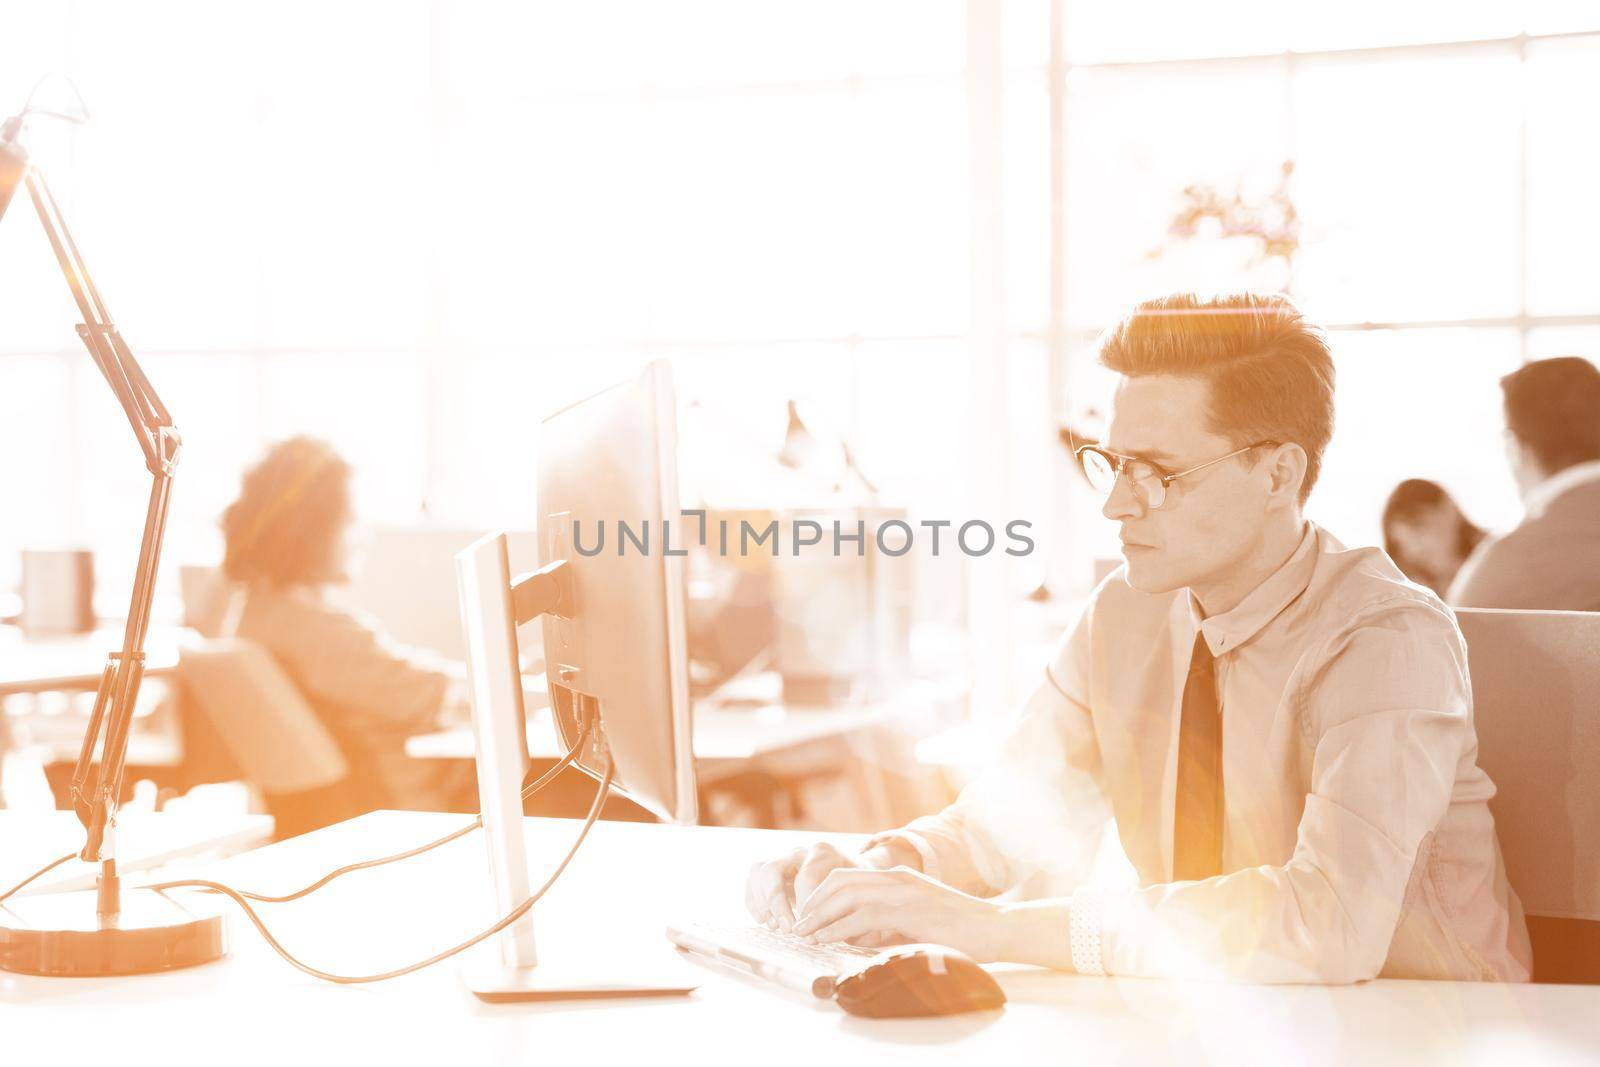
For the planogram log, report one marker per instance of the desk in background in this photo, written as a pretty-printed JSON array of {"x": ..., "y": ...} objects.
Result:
[
  {"x": 746, "y": 741},
  {"x": 74, "y": 662},
  {"x": 31, "y": 667},
  {"x": 753, "y": 752},
  {"x": 628, "y": 881}
]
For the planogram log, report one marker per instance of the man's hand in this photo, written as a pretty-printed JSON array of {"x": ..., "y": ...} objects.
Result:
[
  {"x": 878, "y": 907},
  {"x": 875, "y": 899},
  {"x": 776, "y": 888}
]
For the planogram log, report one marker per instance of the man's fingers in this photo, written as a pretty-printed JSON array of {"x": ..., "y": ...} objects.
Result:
[
  {"x": 767, "y": 883},
  {"x": 841, "y": 879},
  {"x": 779, "y": 909},
  {"x": 780, "y": 892},
  {"x": 811, "y": 875},
  {"x": 870, "y": 920},
  {"x": 754, "y": 903},
  {"x": 850, "y": 889},
  {"x": 758, "y": 889},
  {"x": 837, "y": 904}
]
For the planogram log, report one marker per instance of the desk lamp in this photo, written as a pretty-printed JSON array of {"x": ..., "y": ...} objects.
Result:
[{"x": 141, "y": 931}]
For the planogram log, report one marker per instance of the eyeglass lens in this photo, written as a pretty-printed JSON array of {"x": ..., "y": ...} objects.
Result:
[{"x": 1102, "y": 475}]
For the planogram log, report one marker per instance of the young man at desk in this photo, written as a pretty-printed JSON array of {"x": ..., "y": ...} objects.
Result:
[{"x": 1280, "y": 726}]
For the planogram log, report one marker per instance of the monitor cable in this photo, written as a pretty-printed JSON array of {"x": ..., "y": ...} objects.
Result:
[
  {"x": 527, "y": 791},
  {"x": 512, "y": 916},
  {"x": 41, "y": 872}
]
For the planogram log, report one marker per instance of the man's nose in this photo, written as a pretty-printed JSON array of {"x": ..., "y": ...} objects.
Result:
[{"x": 1123, "y": 502}]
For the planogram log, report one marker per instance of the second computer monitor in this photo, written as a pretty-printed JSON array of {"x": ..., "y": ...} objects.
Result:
[{"x": 608, "y": 505}]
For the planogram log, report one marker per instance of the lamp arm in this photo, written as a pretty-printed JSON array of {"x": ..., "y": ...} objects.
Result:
[
  {"x": 97, "y": 785},
  {"x": 151, "y": 422}
]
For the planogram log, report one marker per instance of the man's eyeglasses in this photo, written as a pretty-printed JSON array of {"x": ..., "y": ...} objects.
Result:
[{"x": 1149, "y": 479}]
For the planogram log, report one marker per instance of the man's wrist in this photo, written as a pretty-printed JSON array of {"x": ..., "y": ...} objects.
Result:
[{"x": 1036, "y": 932}]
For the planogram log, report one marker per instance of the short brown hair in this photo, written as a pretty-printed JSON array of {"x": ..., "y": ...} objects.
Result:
[
  {"x": 1269, "y": 371},
  {"x": 286, "y": 526},
  {"x": 1553, "y": 407}
]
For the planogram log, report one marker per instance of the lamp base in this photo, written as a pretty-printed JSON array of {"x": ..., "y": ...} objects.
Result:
[{"x": 59, "y": 935}]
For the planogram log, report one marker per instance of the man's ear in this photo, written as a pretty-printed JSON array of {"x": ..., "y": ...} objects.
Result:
[{"x": 1286, "y": 470}]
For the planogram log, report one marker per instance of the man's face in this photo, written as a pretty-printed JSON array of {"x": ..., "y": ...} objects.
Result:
[{"x": 1211, "y": 519}]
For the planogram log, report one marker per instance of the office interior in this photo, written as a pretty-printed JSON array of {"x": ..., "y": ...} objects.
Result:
[{"x": 876, "y": 245}]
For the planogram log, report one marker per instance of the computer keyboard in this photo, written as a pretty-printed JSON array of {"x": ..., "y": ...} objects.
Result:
[
  {"x": 834, "y": 955},
  {"x": 783, "y": 958}
]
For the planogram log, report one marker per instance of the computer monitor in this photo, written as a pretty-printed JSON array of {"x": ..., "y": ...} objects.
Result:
[
  {"x": 606, "y": 462},
  {"x": 615, "y": 647}
]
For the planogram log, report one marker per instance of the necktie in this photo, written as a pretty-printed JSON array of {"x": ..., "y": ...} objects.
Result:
[{"x": 1197, "y": 821}]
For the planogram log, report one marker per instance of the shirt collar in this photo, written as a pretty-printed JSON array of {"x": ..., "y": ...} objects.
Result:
[
  {"x": 1229, "y": 630},
  {"x": 1541, "y": 495}
]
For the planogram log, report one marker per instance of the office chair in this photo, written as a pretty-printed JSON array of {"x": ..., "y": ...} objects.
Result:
[
  {"x": 1536, "y": 703},
  {"x": 245, "y": 719}
]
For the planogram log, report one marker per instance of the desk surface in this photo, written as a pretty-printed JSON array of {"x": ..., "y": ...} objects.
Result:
[
  {"x": 144, "y": 839},
  {"x": 76, "y": 661},
  {"x": 613, "y": 901}
]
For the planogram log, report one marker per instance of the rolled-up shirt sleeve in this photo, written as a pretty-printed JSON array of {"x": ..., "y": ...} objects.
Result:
[
  {"x": 1388, "y": 715},
  {"x": 1036, "y": 810}
]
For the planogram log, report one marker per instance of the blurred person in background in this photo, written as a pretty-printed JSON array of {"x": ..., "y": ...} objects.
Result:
[
  {"x": 1426, "y": 534},
  {"x": 288, "y": 552},
  {"x": 1551, "y": 560}
]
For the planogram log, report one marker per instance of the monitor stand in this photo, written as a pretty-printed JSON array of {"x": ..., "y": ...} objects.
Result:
[
  {"x": 506, "y": 967},
  {"x": 499, "y": 983}
]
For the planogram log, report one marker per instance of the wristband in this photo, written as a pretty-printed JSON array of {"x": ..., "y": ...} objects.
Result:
[{"x": 1083, "y": 925}]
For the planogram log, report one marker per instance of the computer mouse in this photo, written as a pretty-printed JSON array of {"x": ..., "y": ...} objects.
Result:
[{"x": 918, "y": 980}]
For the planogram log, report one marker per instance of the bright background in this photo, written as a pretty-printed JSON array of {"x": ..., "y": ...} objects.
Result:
[{"x": 414, "y": 227}]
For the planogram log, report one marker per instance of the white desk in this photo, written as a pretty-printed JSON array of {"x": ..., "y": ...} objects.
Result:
[{"x": 251, "y": 1008}]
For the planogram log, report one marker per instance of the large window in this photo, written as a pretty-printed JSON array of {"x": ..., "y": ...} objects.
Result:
[
  {"x": 1440, "y": 178},
  {"x": 414, "y": 226}
]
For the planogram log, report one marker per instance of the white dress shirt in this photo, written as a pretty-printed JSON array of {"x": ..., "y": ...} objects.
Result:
[
  {"x": 1537, "y": 499},
  {"x": 1357, "y": 837}
]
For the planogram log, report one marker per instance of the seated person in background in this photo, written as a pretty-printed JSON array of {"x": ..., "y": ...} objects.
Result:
[
  {"x": 1280, "y": 726},
  {"x": 287, "y": 552},
  {"x": 1425, "y": 533},
  {"x": 1551, "y": 560}
]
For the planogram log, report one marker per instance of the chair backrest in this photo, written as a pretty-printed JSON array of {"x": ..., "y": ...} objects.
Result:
[
  {"x": 206, "y": 599},
  {"x": 260, "y": 716},
  {"x": 425, "y": 610},
  {"x": 1536, "y": 703}
]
